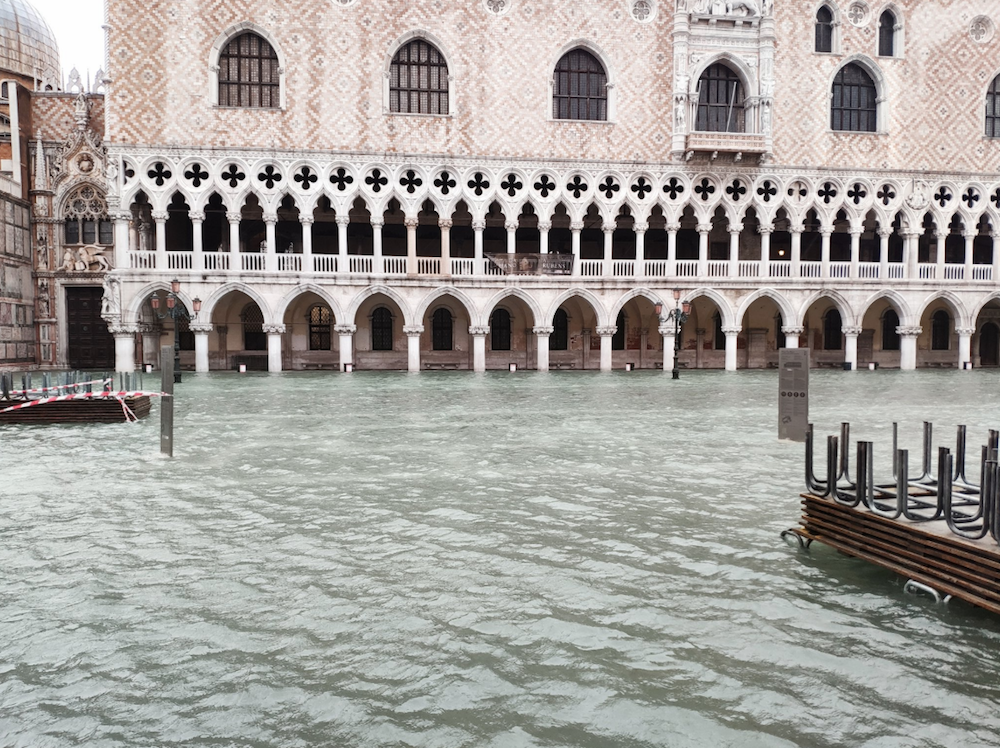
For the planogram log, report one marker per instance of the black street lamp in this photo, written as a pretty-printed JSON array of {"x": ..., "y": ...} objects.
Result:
[
  {"x": 679, "y": 315},
  {"x": 176, "y": 312}
]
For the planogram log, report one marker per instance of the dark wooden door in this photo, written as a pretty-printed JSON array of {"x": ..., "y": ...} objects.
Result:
[{"x": 91, "y": 346}]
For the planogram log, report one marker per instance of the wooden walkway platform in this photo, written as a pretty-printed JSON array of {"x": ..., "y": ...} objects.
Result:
[
  {"x": 926, "y": 552},
  {"x": 96, "y": 410}
]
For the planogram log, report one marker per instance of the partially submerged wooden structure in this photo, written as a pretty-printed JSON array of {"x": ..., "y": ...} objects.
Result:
[
  {"x": 939, "y": 530},
  {"x": 78, "y": 399}
]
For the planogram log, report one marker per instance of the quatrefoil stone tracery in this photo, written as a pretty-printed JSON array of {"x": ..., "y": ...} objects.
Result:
[
  {"x": 982, "y": 29},
  {"x": 497, "y": 7}
]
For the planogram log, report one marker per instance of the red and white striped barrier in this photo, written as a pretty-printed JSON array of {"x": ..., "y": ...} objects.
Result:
[
  {"x": 58, "y": 387},
  {"x": 120, "y": 396}
]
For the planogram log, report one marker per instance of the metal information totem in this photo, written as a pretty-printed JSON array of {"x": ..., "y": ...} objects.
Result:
[{"x": 793, "y": 394}]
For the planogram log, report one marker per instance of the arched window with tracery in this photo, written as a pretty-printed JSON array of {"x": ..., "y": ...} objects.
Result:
[
  {"x": 441, "y": 330},
  {"x": 381, "y": 329},
  {"x": 580, "y": 87},
  {"x": 320, "y": 319},
  {"x": 824, "y": 29},
  {"x": 887, "y": 34},
  {"x": 832, "y": 331},
  {"x": 890, "y": 338},
  {"x": 500, "y": 330},
  {"x": 418, "y": 80},
  {"x": 86, "y": 218},
  {"x": 940, "y": 331},
  {"x": 720, "y": 100},
  {"x": 254, "y": 337},
  {"x": 559, "y": 339},
  {"x": 249, "y": 73},
  {"x": 854, "y": 107},
  {"x": 993, "y": 109}
]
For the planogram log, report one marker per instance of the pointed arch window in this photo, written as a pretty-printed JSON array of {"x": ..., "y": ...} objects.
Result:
[
  {"x": 500, "y": 330},
  {"x": 320, "y": 319},
  {"x": 559, "y": 339},
  {"x": 720, "y": 100},
  {"x": 824, "y": 29},
  {"x": 854, "y": 107},
  {"x": 890, "y": 338},
  {"x": 993, "y": 109},
  {"x": 249, "y": 73},
  {"x": 418, "y": 80},
  {"x": 580, "y": 87},
  {"x": 832, "y": 331},
  {"x": 887, "y": 34},
  {"x": 441, "y": 330},
  {"x": 381, "y": 329},
  {"x": 86, "y": 218},
  {"x": 254, "y": 337},
  {"x": 940, "y": 331}
]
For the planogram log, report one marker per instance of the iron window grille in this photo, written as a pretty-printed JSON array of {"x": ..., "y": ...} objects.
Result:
[
  {"x": 418, "y": 80},
  {"x": 500, "y": 330},
  {"x": 381, "y": 329},
  {"x": 441, "y": 330},
  {"x": 580, "y": 89},
  {"x": 248, "y": 74},
  {"x": 320, "y": 319},
  {"x": 854, "y": 107},
  {"x": 720, "y": 101}
]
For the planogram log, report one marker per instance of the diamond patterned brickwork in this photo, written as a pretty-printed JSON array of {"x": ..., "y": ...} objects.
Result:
[
  {"x": 53, "y": 115},
  {"x": 935, "y": 89},
  {"x": 335, "y": 58}
]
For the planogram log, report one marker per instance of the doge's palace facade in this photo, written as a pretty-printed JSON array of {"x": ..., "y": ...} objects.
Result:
[{"x": 474, "y": 184}]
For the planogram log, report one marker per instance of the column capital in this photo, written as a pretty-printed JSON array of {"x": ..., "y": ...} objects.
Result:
[
  {"x": 511, "y": 226},
  {"x": 274, "y": 329},
  {"x": 343, "y": 220},
  {"x": 271, "y": 219},
  {"x": 995, "y": 235},
  {"x": 673, "y": 228},
  {"x": 826, "y": 230},
  {"x": 377, "y": 222},
  {"x": 909, "y": 234},
  {"x": 909, "y": 331},
  {"x": 234, "y": 216},
  {"x": 160, "y": 216},
  {"x": 411, "y": 223},
  {"x": 196, "y": 216},
  {"x": 608, "y": 229},
  {"x": 640, "y": 228},
  {"x": 478, "y": 224},
  {"x": 543, "y": 330},
  {"x": 792, "y": 330},
  {"x": 200, "y": 327},
  {"x": 121, "y": 215},
  {"x": 969, "y": 331},
  {"x": 666, "y": 331},
  {"x": 704, "y": 228},
  {"x": 970, "y": 234},
  {"x": 851, "y": 331},
  {"x": 732, "y": 330},
  {"x": 885, "y": 233},
  {"x": 607, "y": 331},
  {"x": 413, "y": 331},
  {"x": 345, "y": 329},
  {"x": 576, "y": 226},
  {"x": 762, "y": 230},
  {"x": 545, "y": 225},
  {"x": 856, "y": 230},
  {"x": 736, "y": 228},
  {"x": 123, "y": 331},
  {"x": 445, "y": 223},
  {"x": 479, "y": 330},
  {"x": 941, "y": 234},
  {"x": 306, "y": 219}
]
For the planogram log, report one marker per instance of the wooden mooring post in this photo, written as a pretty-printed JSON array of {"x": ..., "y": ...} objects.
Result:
[{"x": 167, "y": 402}]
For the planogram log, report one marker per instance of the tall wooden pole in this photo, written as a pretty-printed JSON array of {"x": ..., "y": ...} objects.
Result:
[{"x": 167, "y": 403}]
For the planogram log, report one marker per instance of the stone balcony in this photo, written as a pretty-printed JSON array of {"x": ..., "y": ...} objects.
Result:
[{"x": 726, "y": 142}]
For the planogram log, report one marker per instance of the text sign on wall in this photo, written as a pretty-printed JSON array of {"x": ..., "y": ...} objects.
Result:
[
  {"x": 533, "y": 264},
  {"x": 793, "y": 394}
]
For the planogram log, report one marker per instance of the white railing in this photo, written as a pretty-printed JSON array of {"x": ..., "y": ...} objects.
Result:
[
  {"x": 142, "y": 260},
  {"x": 362, "y": 264},
  {"x": 591, "y": 268},
  {"x": 216, "y": 260},
  {"x": 982, "y": 272},
  {"x": 393, "y": 265},
  {"x": 896, "y": 270},
  {"x": 810, "y": 269},
  {"x": 926, "y": 270},
  {"x": 749, "y": 268},
  {"x": 462, "y": 266},
  {"x": 252, "y": 260},
  {"x": 489, "y": 268},
  {"x": 687, "y": 268},
  {"x": 324, "y": 263},
  {"x": 180, "y": 260},
  {"x": 656, "y": 268},
  {"x": 718, "y": 268},
  {"x": 954, "y": 272},
  {"x": 779, "y": 269},
  {"x": 868, "y": 270},
  {"x": 429, "y": 265},
  {"x": 623, "y": 268},
  {"x": 840, "y": 270},
  {"x": 290, "y": 263}
]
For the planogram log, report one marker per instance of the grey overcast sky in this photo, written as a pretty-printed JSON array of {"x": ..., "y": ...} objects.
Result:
[{"x": 77, "y": 26}]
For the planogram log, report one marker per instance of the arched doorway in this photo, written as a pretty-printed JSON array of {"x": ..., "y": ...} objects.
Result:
[{"x": 989, "y": 345}]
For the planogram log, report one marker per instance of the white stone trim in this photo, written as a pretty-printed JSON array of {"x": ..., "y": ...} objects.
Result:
[
  {"x": 442, "y": 49},
  {"x": 609, "y": 72},
  {"x": 220, "y": 42}
]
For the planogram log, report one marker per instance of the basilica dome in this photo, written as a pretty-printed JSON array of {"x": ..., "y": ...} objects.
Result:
[{"x": 27, "y": 45}]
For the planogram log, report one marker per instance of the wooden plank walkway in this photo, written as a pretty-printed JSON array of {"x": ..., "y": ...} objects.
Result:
[
  {"x": 96, "y": 410},
  {"x": 926, "y": 552}
]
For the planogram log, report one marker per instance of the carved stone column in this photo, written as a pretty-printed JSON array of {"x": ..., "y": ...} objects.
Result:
[
  {"x": 542, "y": 333},
  {"x": 732, "y": 338},
  {"x": 234, "y": 219},
  {"x": 544, "y": 227},
  {"x": 124, "y": 346},
  {"x": 703, "y": 231},
  {"x": 445, "y": 225},
  {"x": 606, "y": 333},
  {"x": 160, "y": 222},
  {"x": 908, "y": 346},
  {"x": 792, "y": 333},
  {"x": 851, "y": 334},
  {"x": 346, "y": 335},
  {"x": 413, "y": 333},
  {"x": 479, "y": 333},
  {"x": 964, "y": 345},
  {"x": 640, "y": 229},
  {"x": 197, "y": 239},
  {"x": 274, "y": 333},
  {"x": 576, "y": 227},
  {"x": 411, "y": 245},
  {"x": 478, "y": 266},
  {"x": 201, "y": 331},
  {"x": 271, "y": 258}
]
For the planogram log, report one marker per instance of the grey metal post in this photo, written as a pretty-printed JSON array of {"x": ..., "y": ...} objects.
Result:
[{"x": 167, "y": 403}]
